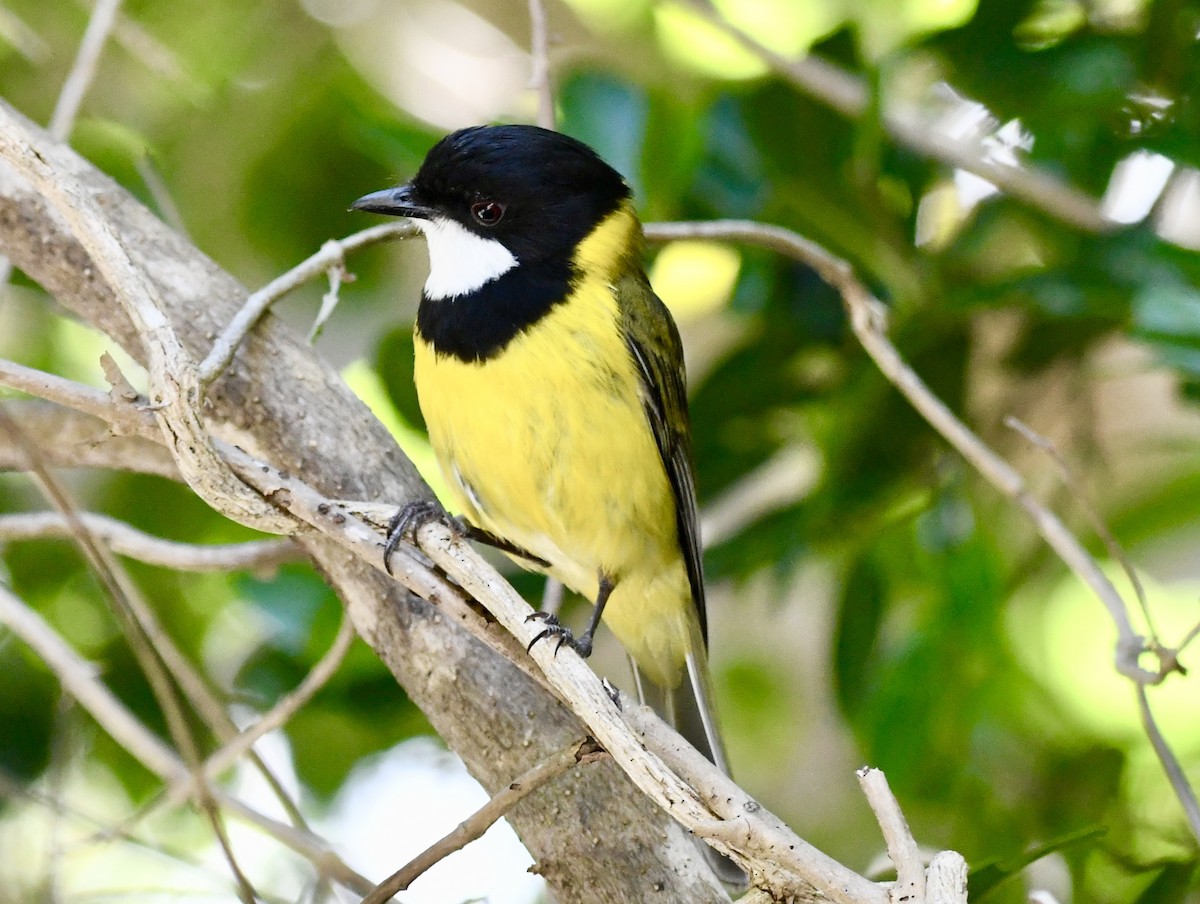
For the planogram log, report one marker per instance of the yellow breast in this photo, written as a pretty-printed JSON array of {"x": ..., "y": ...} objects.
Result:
[{"x": 547, "y": 445}]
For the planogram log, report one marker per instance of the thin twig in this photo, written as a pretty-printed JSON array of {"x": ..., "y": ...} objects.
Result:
[
  {"x": 946, "y": 879},
  {"x": 1188, "y": 638},
  {"x": 22, "y": 38},
  {"x": 1170, "y": 764},
  {"x": 84, "y": 69},
  {"x": 123, "y": 593},
  {"x": 157, "y": 186},
  {"x": 142, "y": 619},
  {"x": 1067, "y": 475},
  {"x": 245, "y": 890},
  {"x": 12, "y": 788},
  {"x": 132, "y": 543},
  {"x": 902, "y": 847},
  {"x": 80, "y": 680},
  {"x": 276, "y": 717},
  {"x": 152, "y": 53},
  {"x": 176, "y": 391},
  {"x": 484, "y": 818},
  {"x": 127, "y": 420},
  {"x": 539, "y": 53},
  {"x": 868, "y": 320},
  {"x": 332, "y": 254},
  {"x": 848, "y": 95},
  {"x": 329, "y": 301}
]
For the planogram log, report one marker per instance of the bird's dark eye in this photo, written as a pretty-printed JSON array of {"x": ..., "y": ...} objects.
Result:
[{"x": 487, "y": 213}]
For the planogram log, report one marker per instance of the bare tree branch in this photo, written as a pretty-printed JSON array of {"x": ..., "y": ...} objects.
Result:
[
  {"x": 80, "y": 680},
  {"x": 868, "y": 320},
  {"x": 539, "y": 54},
  {"x": 1080, "y": 498},
  {"x": 277, "y": 716},
  {"x": 84, "y": 69},
  {"x": 331, "y": 255},
  {"x": 483, "y": 819},
  {"x": 902, "y": 847},
  {"x": 1170, "y": 763},
  {"x": 122, "y": 593},
  {"x": 71, "y": 439},
  {"x": 129, "y": 421},
  {"x": 25, "y": 40},
  {"x": 128, "y": 541}
]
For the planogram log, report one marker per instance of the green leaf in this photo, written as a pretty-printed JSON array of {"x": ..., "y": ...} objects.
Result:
[
  {"x": 394, "y": 358},
  {"x": 984, "y": 879},
  {"x": 1171, "y": 885},
  {"x": 856, "y": 635}
]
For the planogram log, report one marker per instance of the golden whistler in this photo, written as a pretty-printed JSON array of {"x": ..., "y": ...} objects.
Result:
[{"x": 551, "y": 378}]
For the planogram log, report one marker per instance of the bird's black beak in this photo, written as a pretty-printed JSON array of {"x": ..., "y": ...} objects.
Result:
[{"x": 394, "y": 202}]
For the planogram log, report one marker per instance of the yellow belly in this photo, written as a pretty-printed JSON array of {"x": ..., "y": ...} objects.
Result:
[{"x": 547, "y": 445}]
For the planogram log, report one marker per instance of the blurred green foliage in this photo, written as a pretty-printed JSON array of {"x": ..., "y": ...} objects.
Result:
[{"x": 261, "y": 123}]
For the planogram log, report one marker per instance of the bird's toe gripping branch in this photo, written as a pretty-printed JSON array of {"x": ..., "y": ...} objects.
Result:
[
  {"x": 410, "y": 519},
  {"x": 554, "y": 628}
]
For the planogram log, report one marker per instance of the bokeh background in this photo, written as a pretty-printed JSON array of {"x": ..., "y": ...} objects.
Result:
[{"x": 872, "y": 600}]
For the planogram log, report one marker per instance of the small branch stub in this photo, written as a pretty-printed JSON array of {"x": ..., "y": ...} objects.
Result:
[
  {"x": 946, "y": 880},
  {"x": 909, "y": 887}
]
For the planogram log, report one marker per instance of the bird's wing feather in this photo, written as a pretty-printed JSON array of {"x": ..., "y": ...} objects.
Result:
[{"x": 654, "y": 343}]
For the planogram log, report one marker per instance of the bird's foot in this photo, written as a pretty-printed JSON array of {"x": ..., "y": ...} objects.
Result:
[
  {"x": 554, "y": 628},
  {"x": 410, "y": 519}
]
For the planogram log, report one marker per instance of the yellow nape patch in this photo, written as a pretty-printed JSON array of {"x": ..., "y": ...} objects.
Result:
[{"x": 607, "y": 247}]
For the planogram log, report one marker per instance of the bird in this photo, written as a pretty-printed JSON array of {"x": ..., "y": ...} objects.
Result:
[{"x": 551, "y": 379}]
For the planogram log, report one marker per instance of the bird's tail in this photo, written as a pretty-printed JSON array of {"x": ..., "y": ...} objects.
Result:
[{"x": 689, "y": 709}]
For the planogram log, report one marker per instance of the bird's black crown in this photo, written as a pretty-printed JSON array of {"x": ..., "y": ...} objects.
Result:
[{"x": 551, "y": 190}]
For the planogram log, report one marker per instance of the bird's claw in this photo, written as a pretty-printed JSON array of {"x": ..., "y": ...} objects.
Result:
[
  {"x": 410, "y": 519},
  {"x": 554, "y": 628}
]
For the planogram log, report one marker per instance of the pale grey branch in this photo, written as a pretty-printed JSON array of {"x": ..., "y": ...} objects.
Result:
[
  {"x": 539, "y": 53},
  {"x": 79, "y": 678},
  {"x": 902, "y": 847},
  {"x": 132, "y": 543},
  {"x": 868, "y": 319},
  {"x": 84, "y": 68},
  {"x": 482, "y": 819},
  {"x": 331, "y": 255}
]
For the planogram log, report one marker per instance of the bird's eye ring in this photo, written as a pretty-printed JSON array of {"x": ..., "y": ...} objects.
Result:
[{"x": 487, "y": 213}]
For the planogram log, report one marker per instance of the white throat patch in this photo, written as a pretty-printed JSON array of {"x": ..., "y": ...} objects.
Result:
[{"x": 459, "y": 260}]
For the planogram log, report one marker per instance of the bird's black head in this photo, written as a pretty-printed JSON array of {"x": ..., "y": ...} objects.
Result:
[{"x": 538, "y": 193}]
